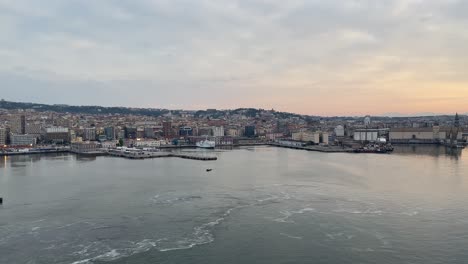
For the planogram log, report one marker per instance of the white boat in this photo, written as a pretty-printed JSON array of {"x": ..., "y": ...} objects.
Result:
[{"x": 206, "y": 144}]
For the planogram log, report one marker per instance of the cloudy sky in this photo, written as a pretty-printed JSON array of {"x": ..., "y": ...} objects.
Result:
[{"x": 308, "y": 56}]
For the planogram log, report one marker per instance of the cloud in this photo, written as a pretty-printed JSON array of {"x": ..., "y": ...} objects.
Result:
[{"x": 262, "y": 53}]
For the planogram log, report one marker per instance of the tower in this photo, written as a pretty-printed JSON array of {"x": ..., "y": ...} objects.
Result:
[
  {"x": 167, "y": 128},
  {"x": 454, "y": 131},
  {"x": 456, "y": 123},
  {"x": 367, "y": 121}
]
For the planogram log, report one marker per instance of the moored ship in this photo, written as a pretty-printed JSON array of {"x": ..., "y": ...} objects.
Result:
[{"x": 206, "y": 144}]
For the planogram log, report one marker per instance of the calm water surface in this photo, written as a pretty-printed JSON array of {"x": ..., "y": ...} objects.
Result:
[{"x": 258, "y": 205}]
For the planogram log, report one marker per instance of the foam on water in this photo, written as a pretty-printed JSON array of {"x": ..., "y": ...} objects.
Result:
[
  {"x": 108, "y": 256},
  {"x": 201, "y": 235},
  {"x": 288, "y": 214},
  {"x": 291, "y": 236},
  {"x": 157, "y": 199}
]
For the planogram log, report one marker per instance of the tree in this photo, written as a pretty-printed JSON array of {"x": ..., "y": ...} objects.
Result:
[{"x": 121, "y": 143}]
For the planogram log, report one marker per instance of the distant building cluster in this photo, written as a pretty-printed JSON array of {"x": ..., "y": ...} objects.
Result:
[{"x": 31, "y": 127}]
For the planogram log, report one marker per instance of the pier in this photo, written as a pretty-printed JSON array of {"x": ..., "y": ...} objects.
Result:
[
  {"x": 329, "y": 149},
  {"x": 157, "y": 154},
  {"x": 30, "y": 152}
]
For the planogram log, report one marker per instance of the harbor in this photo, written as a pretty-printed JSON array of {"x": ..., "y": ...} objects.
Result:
[{"x": 258, "y": 193}]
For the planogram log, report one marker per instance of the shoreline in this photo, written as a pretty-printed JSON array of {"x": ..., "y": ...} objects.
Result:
[{"x": 322, "y": 149}]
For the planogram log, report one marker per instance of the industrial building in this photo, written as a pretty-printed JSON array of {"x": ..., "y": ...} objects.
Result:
[
  {"x": 339, "y": 131},
  {"x": 315, "y": 137},
  {"x": 422, "y": 135},
  {"x": 370, "y": 135}
]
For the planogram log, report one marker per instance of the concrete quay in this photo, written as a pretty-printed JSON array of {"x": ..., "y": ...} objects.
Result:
[
  {"x": 329, "y": 149},
  {"x": 17, "y": 153},
  {"x": 151, "y": 154}
]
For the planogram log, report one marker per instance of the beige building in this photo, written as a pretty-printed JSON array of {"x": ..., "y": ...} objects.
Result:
[
  {"x": 325, "y": 138},
  {"x": 83, "y": 147},
  {"x": 421, "y": 134},
  {"x": 315, "y": 137},
  {"x": 233, "y": 132}
]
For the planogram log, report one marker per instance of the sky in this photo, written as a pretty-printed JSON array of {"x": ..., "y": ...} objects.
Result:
[{"x": 347, "y": 57}]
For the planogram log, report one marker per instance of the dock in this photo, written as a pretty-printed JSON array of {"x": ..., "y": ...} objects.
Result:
[
  {"x": 157, "y": 154},
  {"x": 31, "y": 152},
  {"x": 327, "y": 149}
]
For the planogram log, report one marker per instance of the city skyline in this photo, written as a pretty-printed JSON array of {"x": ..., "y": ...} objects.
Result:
[{"x": 334, "y": 58}]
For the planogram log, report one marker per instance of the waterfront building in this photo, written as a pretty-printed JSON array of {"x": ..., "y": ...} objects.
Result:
[
  {"x": 305, "y": 136},
  {"x": 250, "y": 131},
  {"x": 140, "y": 132},
  {"x": 3, "y": 136},
  {"x": 363, "y": 135},
  {"x": 205, "y": 131},
  {"x": 232, "y": 132},
  {"x": 83, "y": 147},
  {"x": 109, "y": 144},
  {"x": 339, "y": 131},
  {"x": 314, "y": 137},
  {"x": 223, "y": 141},
  {"x": 290, "y": 143},
  {"x": 185, "y": 131},
  {"x": 23, "y": 140},
  {"x": 167, "y": 129},
  {"x": 425, "y": 135},
  {"x": 121, "y": 134},
  {"x": 130, "y": 132},
  {"x": 428, "y": 135},
  {"x": 149, "y": 132},
  {"x": 57, "y": 135},
  {"x": 72, "y": 136},
  {"x": 18, "y": 124},
  {"x": 325, "y": 137},
  {"x": 110, "y": 133},
  {"x": 218, "y": 131},
  {"x": 147, "y": 143},
  {"x": 89, "y": 133},
  {"x": 34, "y": 129},
  {"x": 274, "y": 136}
]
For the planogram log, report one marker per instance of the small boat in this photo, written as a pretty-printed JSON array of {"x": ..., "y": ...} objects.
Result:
[{"x": 209, "y": 169}]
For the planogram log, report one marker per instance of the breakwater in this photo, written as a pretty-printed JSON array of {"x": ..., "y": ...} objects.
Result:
[
  {"x": 327, "y": 149},
  {"x": 151, "y": 154},
  {"x": 31, "y": 152}
]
